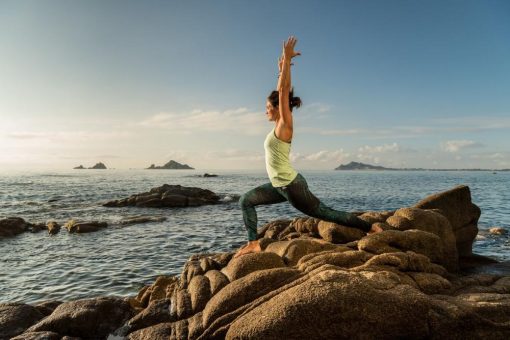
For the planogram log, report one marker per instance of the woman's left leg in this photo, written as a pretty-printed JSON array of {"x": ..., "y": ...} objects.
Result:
[{"x": 298, "y": 194}]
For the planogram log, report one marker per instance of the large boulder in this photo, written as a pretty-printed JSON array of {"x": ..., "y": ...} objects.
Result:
[
  {"x": 168, "y": 196},
  {"x": 86, "y": 318},
  {"x": 246, "y": 264},
  {"x": 336, "y": 305},
  {"x": 292, "y": 251},
  {"x": 418, "y": 241},
  {"x": 12, "y": 226},
  {"x": 15, "y": 318},
  {"x": 463, "y": 215},
  {"x": 432, "y": 222},
  {"x": 336, "y": 233}
]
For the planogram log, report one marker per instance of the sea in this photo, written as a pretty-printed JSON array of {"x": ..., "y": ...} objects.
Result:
[{"x": 120, "y": 259}]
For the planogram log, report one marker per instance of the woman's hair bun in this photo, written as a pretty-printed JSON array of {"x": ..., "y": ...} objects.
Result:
[{"x": 294, "y": 101}]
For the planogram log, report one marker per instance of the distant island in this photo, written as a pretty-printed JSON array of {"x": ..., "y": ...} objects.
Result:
[
  {"x": 99, "y": 165},
  {"x": 363, "y": 166},
  {"x": 172, "y": 165}
]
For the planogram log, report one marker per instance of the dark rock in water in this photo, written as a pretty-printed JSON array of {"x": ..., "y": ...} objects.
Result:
[
  {"x": 74, "y": 226},
  {"x": 173, "y": 165},
  {"x": 37, "y": 227},
  {"x": 142, "y": 219},
  {"x": 209, "y": 175},
  {"x": 12, "y": 226},
  {"x": 167, "y": 196},
  {"x": 15, "y": 318},
  {"x": 53, "y": 228},
  {"x": 98, "y": 166},
  {"x": 86, "y": 318},
  {"x": 498, "y": 231},
  {"x": 79, "y": 167}
]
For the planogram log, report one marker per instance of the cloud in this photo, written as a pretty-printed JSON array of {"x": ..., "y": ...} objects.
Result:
[
  {"x": 66, "y": 136},
  {"x": 235, "y": 155},
  {"x": 374, "y": 154},
  {"x": 322, "y": 156},
  {"x": 457, "y": 145},
  {"x": 239, "y": 120},
  {"x": 380, "y": 148}
]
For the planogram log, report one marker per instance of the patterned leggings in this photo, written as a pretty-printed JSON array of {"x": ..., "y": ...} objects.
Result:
[{"x": 298, "y": 194}]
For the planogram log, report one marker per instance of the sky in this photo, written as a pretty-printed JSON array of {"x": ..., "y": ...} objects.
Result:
[{"x": 132, "y": 83}]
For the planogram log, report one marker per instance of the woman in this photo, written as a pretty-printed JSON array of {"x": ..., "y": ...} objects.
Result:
[{"x": 285, "y": 183}]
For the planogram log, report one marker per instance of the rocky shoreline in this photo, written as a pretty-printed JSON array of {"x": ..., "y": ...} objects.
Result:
[{"x": 313, "y": 280}]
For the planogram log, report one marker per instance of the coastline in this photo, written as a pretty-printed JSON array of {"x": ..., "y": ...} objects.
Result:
[{"x": 420, "y": 266}]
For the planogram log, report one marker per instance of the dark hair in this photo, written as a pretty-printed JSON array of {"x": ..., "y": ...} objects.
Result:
[{"x": 274, "y": 99}]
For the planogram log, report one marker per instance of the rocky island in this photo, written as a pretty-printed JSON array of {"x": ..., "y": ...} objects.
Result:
[
  {"x": 363, "y": 166},
  {"x": 417, "y": 279},
  {"x": 360, "y": 166},
  {"x": 172, "y": 165},
  {"x": 99, "y": 165}
]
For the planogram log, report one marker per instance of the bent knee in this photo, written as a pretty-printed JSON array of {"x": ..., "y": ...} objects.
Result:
[{"x": 244, "y": 201}]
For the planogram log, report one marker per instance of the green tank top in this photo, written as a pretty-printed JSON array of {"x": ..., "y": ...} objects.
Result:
[{"x": 278, "y": 166}]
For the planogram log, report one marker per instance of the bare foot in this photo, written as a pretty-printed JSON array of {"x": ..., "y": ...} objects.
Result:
[
  {"x": 375, "y": 229},
  {"x": 250, "y": 247}
]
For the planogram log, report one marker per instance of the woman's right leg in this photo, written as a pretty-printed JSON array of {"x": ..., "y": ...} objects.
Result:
[
  {"x": 263, "y": 194},
  {"x": 302, "y": 199}
]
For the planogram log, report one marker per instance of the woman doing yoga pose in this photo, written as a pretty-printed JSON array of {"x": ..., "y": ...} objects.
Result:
[{"x": 286, "y": 184}]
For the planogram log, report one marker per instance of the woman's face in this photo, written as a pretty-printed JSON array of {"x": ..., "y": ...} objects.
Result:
[{"x": 271, "y": 112}]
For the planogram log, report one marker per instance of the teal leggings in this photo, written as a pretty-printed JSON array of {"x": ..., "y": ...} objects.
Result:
[{"x": 297, "y": 194}]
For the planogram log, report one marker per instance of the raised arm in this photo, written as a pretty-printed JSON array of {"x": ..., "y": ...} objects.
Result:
[{"x": 284, "y": 86}]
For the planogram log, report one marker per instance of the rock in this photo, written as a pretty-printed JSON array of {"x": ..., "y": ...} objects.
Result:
[
  {"x": 173, "y": 165},
  {"x": 47, "y": 307},
  {"x": 245, "y": 290},
  {"x": 209, "y": 175},
  {"x": 463, "y": 215},
  {"x": 158, "y": 311},
  {"x": 306, "y": 225},
  {"x": 336, "y": 305},
  {"x": 86, "y": 318},
  {"x": 53, "y": 227},
  {"x": 98, "y": 166},
  {"x": 160, "y": 331},
  {"x": 433, "y": 222},
  {"x": 15, "y": 318},
  {"x": 376, "y": 216},
  {"x": 38, "y": 336},
  {"x": 217, "y": 280},
  {"x": 243, "y": 265},
  {"x": 421, "y": 242},
  {"x": 79, "y": 167},
  {"x": 292, "y": 251},
  {"x": 168, "y": 196},
  {"x": 142, "y": 219},
  {"x": 336, "y": 233},
  {"x": 74, "y": 226},
  {"x": 498, "y": 231},
  {"x": 273, "y": 229},
  {"x": 200, "y": 292},
  {"x": 160, "y": 288},
  {"x": 37, "y": 227},
  {"x": 12, "y": 226}
]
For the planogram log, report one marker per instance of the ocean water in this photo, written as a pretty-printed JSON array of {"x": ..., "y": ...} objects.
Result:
[{"x": 119, "y": 260}]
